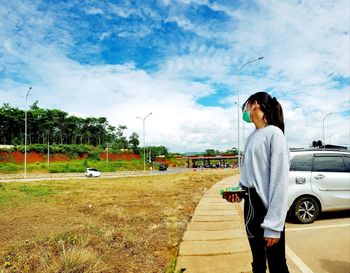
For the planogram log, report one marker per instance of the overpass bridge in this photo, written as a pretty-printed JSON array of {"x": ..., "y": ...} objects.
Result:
[{"x": 211, "y": 161}]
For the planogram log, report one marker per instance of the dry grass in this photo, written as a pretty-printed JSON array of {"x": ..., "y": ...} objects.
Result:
[{"x": 100, "y": 225}]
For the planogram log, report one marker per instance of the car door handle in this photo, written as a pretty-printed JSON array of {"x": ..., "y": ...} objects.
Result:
[{"x": 319, "y": 176}]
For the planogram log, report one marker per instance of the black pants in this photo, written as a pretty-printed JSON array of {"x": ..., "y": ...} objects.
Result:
[{"x": 275, "y": 254}]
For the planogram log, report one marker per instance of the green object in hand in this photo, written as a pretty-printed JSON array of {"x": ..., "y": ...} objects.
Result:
[{"x": 236, "y": 188}]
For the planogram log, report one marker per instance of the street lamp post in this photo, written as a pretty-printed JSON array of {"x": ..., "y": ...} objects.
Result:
[
  {"x": 48, "y": 152},
  {"x": 323, "y": 135},
  {"x": 329, "y": 138},
  {"x": 240, "y": 107},
  {"x": 238, "y": 112},
  {"x": 107, "y": 152},
  {"x": 25, "y": 135},
  {"x": 144, "y": 139}
]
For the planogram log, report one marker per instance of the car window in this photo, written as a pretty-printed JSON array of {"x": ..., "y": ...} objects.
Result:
[
  {"x": 329, "y": 164},
  {"x": 347, "y": 162},
  {"x": 301, "y": 163}
]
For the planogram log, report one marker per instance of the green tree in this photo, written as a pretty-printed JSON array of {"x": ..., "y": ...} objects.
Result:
[
  {"x": 210, "y": 152},
  {"x": 134, "y": 142},
  {"x": 233, "y": 151},
  {"x": 157, "y": 151},
  {"x": 121, "y": 141},
  {"x": 58, "y": 127},
  {"x": 11, "y": 125}
]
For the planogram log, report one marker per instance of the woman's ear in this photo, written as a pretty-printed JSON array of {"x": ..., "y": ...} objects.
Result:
[{"x": 254, "y": 106}]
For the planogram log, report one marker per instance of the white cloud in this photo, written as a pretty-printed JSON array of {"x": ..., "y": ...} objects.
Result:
[
  {"x": 94, "y": 11},
  {"x": 122, "y": 92},
  {"x": 305, "y": 46},
  {"x": 123, "y": 11},
  {"x": 298, "y": 40},
  {"x": 104, "y": 35}
]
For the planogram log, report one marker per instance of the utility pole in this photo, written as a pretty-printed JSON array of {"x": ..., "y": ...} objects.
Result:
[
  {"x": 107, "y": 152},
  {"x": 48, "y": 153},
  {"x": 324, "y": 138},
  {"x": 144, "y": 140},
  {"x": 25, "y": 135},
  {"x": 238, "y": 110}
]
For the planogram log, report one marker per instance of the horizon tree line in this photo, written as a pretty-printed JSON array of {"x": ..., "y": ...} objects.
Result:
[{"x": 55, "y": 126}]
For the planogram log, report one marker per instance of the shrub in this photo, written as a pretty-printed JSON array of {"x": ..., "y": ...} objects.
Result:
[
  {"x": 71, "y": 149},
  {"x": 77, "y": 260},
  {"x": 10, "y": 168},
  {"x": 85, "y": 164},
  {"x": 36, "y": 190},
  {"x": 7, "y": 149},
  {"x": 94, "y": 156}
]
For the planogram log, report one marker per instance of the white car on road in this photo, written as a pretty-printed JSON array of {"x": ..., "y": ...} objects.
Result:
[
  {"x": 92, "y": 172},
  {"x": 319, "y": 180}
]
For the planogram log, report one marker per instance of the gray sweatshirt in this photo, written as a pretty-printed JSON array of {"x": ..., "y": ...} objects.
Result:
[{"x": 265, "y": 168}]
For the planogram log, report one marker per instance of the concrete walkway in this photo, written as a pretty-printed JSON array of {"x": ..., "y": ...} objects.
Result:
[{"x": 215, "y": 239}]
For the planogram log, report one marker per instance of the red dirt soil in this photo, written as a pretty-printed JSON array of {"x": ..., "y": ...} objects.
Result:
[
  {"x": 18, "y": 157},
  {"x": 164, "y": 161},
  {"x": 124, "y": 156}
]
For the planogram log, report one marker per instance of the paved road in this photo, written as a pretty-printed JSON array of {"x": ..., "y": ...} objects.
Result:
[
  {"x": 323, "y": 246},
  {"x": 67, "y": 176}
]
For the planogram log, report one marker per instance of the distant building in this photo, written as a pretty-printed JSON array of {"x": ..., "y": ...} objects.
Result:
[{"x": 6, "y": 146}]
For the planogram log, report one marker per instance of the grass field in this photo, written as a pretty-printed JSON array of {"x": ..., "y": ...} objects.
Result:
[
  {"x": 72, "y": 166},
  {"x": 130, "y": 224},
  {"x": 79, "y": 166}
]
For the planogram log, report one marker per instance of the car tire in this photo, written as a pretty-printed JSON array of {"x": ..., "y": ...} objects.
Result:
[
  {"x": 305, "y": 210},
  {"x": 90, "y": 175}
]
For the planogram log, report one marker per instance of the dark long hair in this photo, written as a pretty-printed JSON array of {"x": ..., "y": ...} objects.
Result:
[{"x": 271, "y": 108}]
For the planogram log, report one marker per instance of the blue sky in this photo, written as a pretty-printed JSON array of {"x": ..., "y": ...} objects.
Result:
[{"x": 180, "y": 60}]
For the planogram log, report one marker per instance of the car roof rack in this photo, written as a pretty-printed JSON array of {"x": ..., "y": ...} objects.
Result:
[{"x": 319, "y": 150}]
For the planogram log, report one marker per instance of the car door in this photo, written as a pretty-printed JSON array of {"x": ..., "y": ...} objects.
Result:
[
  {"x": 330, "y": 180},
  {"x": 299, "y": 176}
]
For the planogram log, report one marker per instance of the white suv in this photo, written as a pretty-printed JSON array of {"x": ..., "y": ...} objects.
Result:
[
  {"x": 319, "y": 180},
  {"x": 92, "y": 172}
]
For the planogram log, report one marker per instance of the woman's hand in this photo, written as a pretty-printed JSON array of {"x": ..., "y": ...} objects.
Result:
[
  {"x": 271, "y": 241},
  {"x": 233, "y": 198}
]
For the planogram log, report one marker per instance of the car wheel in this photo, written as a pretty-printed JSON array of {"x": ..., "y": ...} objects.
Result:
[
  {"x": 90, "y": 175},
  {"x": 306, "y": 209}
]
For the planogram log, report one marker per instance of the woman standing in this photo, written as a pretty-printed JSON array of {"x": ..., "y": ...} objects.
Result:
[{"x": 264, "y": 175}]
